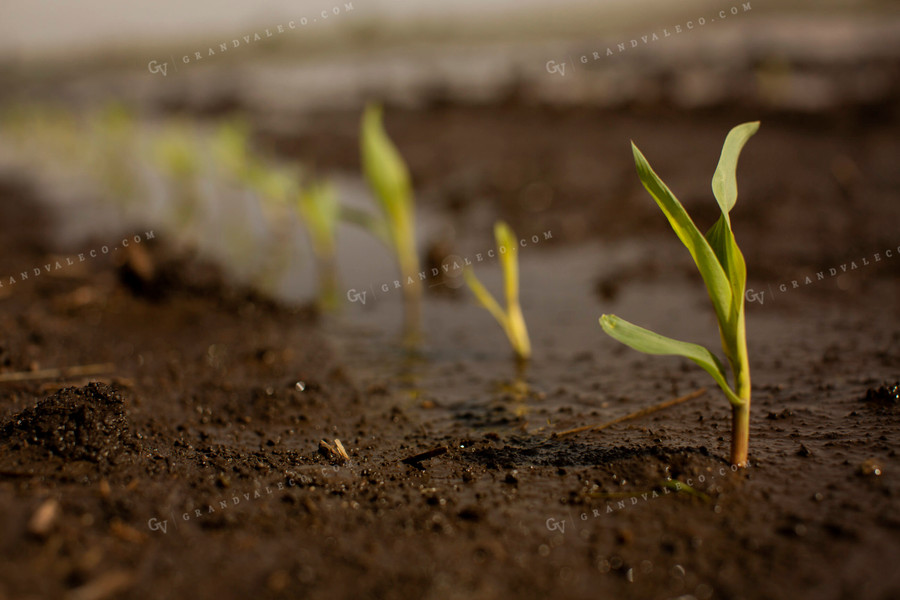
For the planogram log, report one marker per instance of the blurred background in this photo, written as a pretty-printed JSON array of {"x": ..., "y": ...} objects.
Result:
[{"x": 140, "y": 114}]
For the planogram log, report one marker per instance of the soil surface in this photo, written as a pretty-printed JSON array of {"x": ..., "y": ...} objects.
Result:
[{"x": 193, "y": 468}]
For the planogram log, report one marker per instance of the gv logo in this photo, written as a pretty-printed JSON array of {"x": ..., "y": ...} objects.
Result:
[
  {"x": 554, "y": 67},
  {"x": 353, "y": 296},
  {"x": 155, "y": 67},
  {"x": 554, "y": 525},
  {"x": 754, "y": 296},
  {"x": 156, "y": 525}
]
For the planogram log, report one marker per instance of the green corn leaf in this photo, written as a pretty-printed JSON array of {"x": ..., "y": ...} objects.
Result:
[
  {"x": 724, "y": 181},
  {"x": 724, "y": 186},
  {"x": 485, "y": 298},
  {"x": 319, "y": 207},
  {"x": 722, "y": 241},
  {"x": 375, "y": 225},
  {"x": 385, "y": 170},
  {"x": 721, "y": 237},
  {"x": 229, "y": 148},
  {"x": 731, "y": 258},
  {"x": 512, "y": 320},
  {"x": 509, "y": 260},
  {"x": 714, "y": 276},
  {"x": 389, "y": 179},
  {"x": 644, "y": 340}
]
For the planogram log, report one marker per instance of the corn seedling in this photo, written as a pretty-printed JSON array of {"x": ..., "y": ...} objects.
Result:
[
  {"x": 277, "y": 190},
  {"x": 388, "y": 177},
  {"x": 721, "y": 264},
  {"x": 319, "y": 209},
  {"x": 511, "y": 320},
  {"x": 175, "y": 152},
  {"x": 229, "y": 147}
]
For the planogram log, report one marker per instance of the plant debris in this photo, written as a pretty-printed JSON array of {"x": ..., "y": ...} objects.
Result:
[
  {"x": 334, "y": 452},
  {"x": 414, "y": 461}
]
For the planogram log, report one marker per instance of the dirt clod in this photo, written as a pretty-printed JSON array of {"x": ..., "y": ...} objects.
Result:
[
  {"x": 87, "y": 423},
  {"x": 886, "y": 395}
]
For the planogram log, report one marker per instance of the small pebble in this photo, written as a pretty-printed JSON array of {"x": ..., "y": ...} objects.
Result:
[{"x": 44, "y": 517}]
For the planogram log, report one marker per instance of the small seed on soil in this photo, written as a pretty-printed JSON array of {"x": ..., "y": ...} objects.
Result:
[
  {"x": 340, "y": 449},
  {"x": 335, "y": 452}
]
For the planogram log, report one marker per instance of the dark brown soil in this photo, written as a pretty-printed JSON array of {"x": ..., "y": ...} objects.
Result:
[
  {"x": 194, "y": 469},
  {"x": 74, "y": 424}
]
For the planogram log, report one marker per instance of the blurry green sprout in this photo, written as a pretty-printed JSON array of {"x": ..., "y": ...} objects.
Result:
[
  {"x": 511, "y": 320},
  {"x": 234, "y": 160},
  {"x": 230, "y": 150},
  {"x": 724, "y": 272},
  {"x": 273, "y": 184},
  {"x": 100, "y": 145},
  {"x": 278, "y": 187},
  {"x": 175, "y": 152},
  {"x": 318, "y": 207},
  {"x": 389, "y": 179},
  {"x": 112, "y": 137}
]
